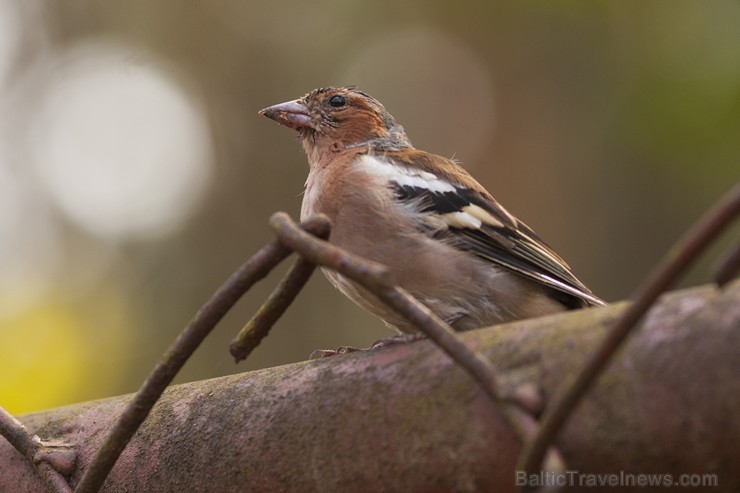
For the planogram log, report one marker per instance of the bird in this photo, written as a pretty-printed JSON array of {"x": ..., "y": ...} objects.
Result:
[{"x": 442, "y": 235}]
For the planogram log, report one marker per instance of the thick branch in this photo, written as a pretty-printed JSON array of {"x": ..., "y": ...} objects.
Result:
[{"x": 405, "y": 418}]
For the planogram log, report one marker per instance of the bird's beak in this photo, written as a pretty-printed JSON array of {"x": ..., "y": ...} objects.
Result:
[{"x": 293, "y": 114}]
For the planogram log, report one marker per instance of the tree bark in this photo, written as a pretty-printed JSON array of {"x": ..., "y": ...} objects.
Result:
[{"x": 406, "y": 419}]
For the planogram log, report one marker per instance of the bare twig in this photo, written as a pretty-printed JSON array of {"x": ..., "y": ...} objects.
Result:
[
  {"x": 366, "y": 272},
  {"x": 32, "y": 448},
  {"x": 256, "y": 268},
  {"x": 729, "y": 267},
  {"x": 280, "y": 299},
  {"x": 18, "y": 436},
  {"x": 663, "y": 276},
  {"x": 377, "y": 279}
]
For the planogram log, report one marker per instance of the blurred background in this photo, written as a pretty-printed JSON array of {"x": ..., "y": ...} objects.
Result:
[{"x": 136, "y": 175}]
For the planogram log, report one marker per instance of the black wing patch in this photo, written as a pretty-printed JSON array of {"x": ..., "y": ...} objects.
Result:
[
  {"x": 492, "y": 234},
  {"x": 442, "y": 203}
]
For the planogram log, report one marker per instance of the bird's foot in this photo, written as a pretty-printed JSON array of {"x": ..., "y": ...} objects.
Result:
[
  {"x": 325, "y": 353},
  {"x": 399, "y": 339},
  {"x": 381, "y": 343}
]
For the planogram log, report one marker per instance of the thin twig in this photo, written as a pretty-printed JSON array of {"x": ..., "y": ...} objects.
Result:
[
  {"x": 256, "y": 268},
  {"x": 320, "y": 252},
  {"x": 478, "y": 367},
  {"x": 676, "y": 261},
  {"x": 377, "y": 279},
  {"x": 280, "y": 299},
  {"x": 728, "y": 268},
  {"x": 31, "y": 447}
]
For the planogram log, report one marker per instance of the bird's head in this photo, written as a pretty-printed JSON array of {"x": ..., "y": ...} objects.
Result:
[{"x": 332, "y": 119}]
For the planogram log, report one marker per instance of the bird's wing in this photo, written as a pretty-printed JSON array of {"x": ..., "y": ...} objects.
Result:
[{"x": 453, "y": 207}]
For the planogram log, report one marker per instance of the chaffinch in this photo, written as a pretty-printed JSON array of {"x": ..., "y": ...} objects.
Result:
[{"x": 444, "y": 237}]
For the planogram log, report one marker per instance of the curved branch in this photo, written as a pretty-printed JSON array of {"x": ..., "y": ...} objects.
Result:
[
  {"x": 256, "y": 268},
  {"x": 677, "y": 260}
]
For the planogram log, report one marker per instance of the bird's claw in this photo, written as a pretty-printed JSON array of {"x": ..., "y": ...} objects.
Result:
[
  {"x": 381, "y": 343},
  {"x": 325, "y": 353},
  {"x": 399, "y": 339},
  {"x": 322, "y": 353}
]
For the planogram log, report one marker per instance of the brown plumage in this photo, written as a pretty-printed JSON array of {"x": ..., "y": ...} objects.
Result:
[{"x": 444, "y": 237}]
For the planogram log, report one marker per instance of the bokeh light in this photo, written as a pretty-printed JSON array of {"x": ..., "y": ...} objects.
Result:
[
  {"x": 121, "y": 147},
  {"x": 56, "y": 352}
]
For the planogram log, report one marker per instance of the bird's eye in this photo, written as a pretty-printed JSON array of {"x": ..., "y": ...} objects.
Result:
[{"x": 337, "y": 101}]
